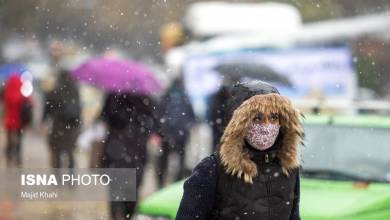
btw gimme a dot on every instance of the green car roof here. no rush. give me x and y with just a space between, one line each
320 199
343 200
376 121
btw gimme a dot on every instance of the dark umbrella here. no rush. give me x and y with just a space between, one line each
233 72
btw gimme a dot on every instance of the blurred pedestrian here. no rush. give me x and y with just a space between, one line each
176 118
130 120
216 114
62 106
255 172
172 34
14 103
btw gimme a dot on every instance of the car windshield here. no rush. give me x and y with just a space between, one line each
346 153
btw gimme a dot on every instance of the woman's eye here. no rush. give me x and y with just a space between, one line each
274 117
258 119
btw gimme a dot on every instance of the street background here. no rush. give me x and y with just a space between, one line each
44 36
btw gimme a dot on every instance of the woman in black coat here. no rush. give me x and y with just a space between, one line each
255 172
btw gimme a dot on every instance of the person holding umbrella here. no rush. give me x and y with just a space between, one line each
130 120
255 172
129 114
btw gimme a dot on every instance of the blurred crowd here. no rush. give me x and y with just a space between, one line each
136 109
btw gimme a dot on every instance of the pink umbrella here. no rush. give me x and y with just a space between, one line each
117 75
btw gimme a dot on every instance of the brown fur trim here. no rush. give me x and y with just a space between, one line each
236 159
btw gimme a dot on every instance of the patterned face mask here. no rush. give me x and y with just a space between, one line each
262 136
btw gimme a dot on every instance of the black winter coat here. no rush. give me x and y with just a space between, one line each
201 190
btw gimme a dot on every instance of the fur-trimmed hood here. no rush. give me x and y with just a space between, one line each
236 159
